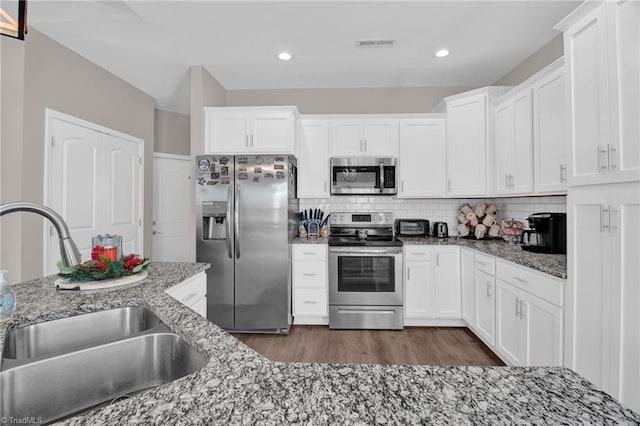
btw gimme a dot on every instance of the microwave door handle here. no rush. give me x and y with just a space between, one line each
381 176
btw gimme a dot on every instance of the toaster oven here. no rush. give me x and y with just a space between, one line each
412 227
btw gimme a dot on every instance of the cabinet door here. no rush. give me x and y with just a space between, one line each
509 327
313 159
421 158
446 279
543 332
485 307
624 58
272 132
467 268
226 132
588 256
346 138
503 134
585 47
549 143
418 300
466 146
522 160
625 226
380 138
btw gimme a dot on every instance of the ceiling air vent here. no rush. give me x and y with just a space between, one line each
376 43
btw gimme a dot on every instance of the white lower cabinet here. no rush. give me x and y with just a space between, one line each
310 285
467 274
485 326
432 285
192 293
603 321
528 329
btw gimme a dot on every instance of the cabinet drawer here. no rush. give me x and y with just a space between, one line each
310 301
310 252
542 285
310 274
417 253
190 290
485 264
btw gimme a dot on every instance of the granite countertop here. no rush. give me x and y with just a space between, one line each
552 264
239 386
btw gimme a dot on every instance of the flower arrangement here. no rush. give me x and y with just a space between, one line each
103 266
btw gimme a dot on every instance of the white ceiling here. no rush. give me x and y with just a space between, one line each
151 44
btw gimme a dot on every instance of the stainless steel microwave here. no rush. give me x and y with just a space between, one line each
363 175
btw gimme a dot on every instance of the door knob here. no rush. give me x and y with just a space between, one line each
156 232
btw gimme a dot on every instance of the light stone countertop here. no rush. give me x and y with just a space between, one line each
552 264
239 386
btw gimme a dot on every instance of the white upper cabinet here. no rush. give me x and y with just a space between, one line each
256 130
470 142
602 47
549 141
513 144
422 158
313 158
364 137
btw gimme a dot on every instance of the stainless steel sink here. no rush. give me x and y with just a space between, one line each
56 337
60 368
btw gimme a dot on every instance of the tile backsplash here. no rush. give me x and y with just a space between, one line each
441 210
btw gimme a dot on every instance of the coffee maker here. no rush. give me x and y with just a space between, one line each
547 233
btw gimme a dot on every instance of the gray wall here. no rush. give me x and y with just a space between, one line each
58 78
347 101
172 132
11 106
534 63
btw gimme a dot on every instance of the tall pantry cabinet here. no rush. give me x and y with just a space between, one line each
602 334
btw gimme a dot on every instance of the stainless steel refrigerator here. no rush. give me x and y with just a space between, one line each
246 220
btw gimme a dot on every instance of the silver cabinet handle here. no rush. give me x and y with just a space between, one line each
605 219
563 173
309 275
488 290
156 232
237 221
506 180
522 280
408 274
189 297
602 165
612 222
481 263
611 156
437 259
246 140
324 187
228 241
308 253
310 302
365 145
522 306
361 146
402 185
517 308
449 184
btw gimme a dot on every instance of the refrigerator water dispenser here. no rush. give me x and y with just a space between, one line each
214 217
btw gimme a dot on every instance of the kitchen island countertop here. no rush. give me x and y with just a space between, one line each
239 386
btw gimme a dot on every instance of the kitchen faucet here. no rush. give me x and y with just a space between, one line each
68 249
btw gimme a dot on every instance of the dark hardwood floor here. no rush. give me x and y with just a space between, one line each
413 345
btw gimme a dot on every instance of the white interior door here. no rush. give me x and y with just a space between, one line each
94 181
171 208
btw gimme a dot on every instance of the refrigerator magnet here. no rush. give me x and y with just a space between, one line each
224 170
201 181
212 182
258 160
279 159
278 166
224 160
215 175
224 181
242 160
256 178
204 164
257 169
279 174
268 175
243 176
242 169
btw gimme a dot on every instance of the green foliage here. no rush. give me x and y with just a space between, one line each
93 270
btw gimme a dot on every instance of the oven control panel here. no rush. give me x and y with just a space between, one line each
355 219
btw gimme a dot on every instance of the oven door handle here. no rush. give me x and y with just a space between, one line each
355 250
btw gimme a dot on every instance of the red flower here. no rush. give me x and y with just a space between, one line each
132 261
96 251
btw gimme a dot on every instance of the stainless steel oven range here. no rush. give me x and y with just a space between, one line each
365 272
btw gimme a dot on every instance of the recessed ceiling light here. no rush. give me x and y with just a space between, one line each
284 56
442 53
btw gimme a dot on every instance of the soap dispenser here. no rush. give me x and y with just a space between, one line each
7 298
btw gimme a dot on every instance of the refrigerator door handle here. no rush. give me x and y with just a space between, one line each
236 224
229 193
